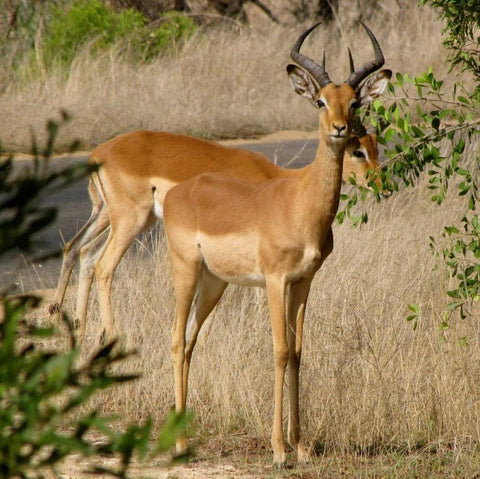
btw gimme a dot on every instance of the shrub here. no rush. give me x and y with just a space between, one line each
174 27
92 22
86 21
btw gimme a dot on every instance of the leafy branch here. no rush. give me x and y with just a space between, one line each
414 145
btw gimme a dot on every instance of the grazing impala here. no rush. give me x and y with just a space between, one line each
275 234
127 192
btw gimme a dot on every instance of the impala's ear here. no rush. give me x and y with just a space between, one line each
302 83
374 86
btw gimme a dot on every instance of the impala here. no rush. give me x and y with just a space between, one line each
275 234
127 192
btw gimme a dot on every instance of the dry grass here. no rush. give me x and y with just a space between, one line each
370 382
225 82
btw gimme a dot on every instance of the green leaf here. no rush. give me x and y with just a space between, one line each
451 230
414 308
399 78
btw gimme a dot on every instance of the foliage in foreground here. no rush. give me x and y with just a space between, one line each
427 130
22 214
42 388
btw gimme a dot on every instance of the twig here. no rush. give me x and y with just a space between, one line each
427 100
266 10
213 16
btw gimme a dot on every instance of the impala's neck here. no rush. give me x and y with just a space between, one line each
320 188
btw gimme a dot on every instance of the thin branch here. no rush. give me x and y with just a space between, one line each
435 135
211 16
266 10
427 100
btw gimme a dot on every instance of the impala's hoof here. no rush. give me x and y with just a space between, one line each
279 462
303 455
304 461
279 466
181 447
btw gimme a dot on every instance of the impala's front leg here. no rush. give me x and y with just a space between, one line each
297 301
276 301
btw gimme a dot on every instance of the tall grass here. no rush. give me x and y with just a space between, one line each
369 380
224 82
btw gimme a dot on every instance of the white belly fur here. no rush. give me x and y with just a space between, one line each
157 209
232 258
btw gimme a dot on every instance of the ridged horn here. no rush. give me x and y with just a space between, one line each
357 76
350 59
318 72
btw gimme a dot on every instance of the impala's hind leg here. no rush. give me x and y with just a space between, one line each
95 224
125 225
89 255
208 292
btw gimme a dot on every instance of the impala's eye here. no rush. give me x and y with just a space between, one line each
320 103
360 155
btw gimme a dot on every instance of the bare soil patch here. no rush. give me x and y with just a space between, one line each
219 457
246 457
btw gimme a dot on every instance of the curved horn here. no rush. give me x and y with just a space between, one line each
350 58
318 72
357 76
